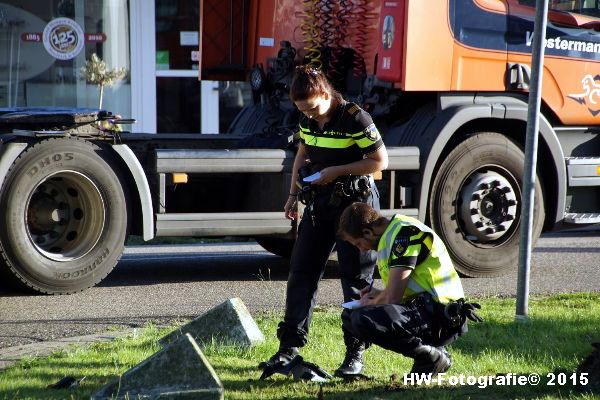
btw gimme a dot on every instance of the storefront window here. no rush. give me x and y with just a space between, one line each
184 105
177 38
44 45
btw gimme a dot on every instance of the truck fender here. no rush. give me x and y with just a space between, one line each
551 140
8 154
448 122
143 188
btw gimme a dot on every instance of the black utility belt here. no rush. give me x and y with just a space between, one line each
426 300
343 190
348 186
447 315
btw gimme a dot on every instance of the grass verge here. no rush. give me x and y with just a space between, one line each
553 342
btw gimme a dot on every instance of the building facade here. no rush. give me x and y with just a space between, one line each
44 46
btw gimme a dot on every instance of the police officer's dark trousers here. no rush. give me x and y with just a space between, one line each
401 327
312 249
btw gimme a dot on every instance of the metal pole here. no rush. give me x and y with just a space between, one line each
17 72
10 61
531 145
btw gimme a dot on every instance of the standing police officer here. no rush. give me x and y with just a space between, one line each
421 308
340 141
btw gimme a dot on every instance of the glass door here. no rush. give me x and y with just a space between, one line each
178 90
167 96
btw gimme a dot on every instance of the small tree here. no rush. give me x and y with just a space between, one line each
95 72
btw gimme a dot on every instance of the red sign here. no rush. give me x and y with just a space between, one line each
31 36
89 37
95 37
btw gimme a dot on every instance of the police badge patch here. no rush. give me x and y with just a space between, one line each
371 132
400 245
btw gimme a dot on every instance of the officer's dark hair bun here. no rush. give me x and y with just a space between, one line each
309 82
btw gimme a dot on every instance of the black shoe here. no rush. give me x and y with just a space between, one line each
352 364
443 350
282 357
430 360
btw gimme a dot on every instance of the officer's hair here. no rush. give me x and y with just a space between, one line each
356 217
309 82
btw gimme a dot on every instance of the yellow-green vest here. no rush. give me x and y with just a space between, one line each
433 273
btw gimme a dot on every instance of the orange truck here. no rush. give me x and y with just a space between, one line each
446 82
450 78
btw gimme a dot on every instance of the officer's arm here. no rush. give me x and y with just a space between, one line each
373 162
397 281
394 291
299 161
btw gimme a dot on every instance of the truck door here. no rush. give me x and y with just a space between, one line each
223 44
479 30
571 85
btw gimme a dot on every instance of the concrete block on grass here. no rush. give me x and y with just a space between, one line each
178 371
229 323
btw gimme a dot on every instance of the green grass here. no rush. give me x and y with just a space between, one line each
555 339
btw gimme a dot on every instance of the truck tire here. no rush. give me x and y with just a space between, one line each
63 218
475 205
278 246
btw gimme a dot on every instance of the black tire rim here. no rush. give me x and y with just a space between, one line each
488 207
65 216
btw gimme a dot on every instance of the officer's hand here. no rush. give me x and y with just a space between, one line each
365 290
291 208
366 300
468 311
328 175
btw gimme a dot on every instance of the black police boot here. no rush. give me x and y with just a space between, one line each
430 360
443 350
353 362
283 356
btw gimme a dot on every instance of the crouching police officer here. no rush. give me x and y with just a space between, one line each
340 141
422 307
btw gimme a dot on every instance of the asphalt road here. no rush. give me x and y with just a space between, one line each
163 284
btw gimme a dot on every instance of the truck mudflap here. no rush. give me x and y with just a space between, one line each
8 154
143 188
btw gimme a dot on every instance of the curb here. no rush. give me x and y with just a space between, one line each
11 355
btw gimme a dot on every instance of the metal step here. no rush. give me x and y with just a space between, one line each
411 212
257 160
582 218
222 224
236 223
583 171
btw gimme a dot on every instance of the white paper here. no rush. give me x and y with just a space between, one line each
312 177
266 42
352 304
188 38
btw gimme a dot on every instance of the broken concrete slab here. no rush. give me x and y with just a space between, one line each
229 323
11 355
178 371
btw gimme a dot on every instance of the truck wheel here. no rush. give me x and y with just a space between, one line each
278 246
63 218
475 205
